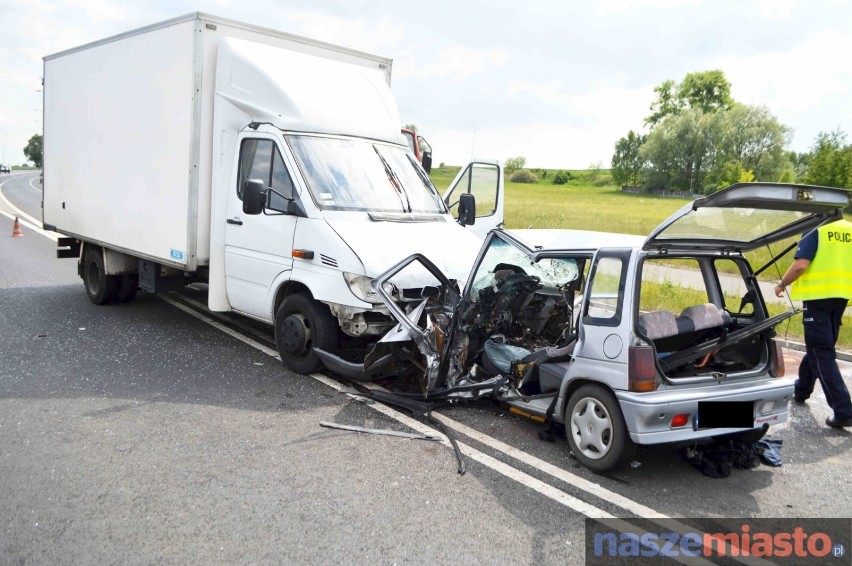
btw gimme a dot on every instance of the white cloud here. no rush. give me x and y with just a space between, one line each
586 133
453 63
776 9
616 6
364 35
795 78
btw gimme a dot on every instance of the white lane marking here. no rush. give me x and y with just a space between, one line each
551 470
46 233
517 475
33 186
219 326
24 218
506 470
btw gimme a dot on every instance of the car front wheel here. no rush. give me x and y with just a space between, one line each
595 428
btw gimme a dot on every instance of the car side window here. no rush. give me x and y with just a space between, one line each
260 159
734 289
606 292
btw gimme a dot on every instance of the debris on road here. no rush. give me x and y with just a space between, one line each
384 432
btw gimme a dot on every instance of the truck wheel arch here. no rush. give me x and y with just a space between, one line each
288 288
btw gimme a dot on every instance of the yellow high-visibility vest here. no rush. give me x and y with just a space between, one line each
829 275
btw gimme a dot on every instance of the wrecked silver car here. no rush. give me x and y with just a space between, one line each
622 339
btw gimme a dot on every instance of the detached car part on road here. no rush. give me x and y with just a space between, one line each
623 339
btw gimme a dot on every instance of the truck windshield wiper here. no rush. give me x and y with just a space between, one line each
394 181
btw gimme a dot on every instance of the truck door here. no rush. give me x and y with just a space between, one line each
258 248
484 180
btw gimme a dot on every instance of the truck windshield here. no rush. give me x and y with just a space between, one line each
361 175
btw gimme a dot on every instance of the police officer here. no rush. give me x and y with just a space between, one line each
821 275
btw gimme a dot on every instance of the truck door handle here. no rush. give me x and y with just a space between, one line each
236 221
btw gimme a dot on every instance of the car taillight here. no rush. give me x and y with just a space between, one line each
777 353
641 369
680 420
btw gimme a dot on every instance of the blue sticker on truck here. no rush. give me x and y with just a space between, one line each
177 254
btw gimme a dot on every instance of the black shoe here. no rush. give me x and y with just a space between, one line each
800 400
834 422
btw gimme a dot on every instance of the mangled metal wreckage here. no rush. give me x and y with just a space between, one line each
567 325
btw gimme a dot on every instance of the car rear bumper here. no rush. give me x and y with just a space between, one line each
649 415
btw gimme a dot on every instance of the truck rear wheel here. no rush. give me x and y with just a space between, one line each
100 287
596 430
127 288
302 324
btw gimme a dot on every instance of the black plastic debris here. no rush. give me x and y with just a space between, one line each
717 459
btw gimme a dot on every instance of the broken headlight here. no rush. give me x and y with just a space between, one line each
362 287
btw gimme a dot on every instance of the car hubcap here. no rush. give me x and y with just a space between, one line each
591 427
295 334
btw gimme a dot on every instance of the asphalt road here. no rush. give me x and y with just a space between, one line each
158 432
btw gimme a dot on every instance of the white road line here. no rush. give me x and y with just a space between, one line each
553 471
523 478
24 218
33 186
517 475
219 326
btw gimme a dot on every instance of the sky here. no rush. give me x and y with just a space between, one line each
557 82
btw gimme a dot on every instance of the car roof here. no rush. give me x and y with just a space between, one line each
556 239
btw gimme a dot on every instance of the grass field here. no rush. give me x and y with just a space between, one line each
584 205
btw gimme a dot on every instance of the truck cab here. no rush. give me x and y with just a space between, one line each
421 149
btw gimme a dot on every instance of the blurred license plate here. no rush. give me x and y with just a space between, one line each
725 414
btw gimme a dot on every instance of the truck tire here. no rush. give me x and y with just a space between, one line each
302 324
127 288
595 429
100 287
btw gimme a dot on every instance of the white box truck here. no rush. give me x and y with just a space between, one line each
268 165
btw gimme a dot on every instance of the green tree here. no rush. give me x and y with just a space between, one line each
514 163
830 161
680 152
754 138
34 148
412 127
708 91
666 104
627 163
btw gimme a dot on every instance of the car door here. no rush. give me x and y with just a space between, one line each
258 247
484 180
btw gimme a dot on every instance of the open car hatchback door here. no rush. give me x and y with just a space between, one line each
746 216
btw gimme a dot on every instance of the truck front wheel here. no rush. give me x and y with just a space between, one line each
302 324
100 287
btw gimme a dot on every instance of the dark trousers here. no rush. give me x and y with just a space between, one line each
821 320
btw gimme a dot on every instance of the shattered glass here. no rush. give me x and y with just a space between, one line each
554 272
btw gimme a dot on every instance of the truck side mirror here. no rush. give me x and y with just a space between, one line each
467 209
427 161
254 196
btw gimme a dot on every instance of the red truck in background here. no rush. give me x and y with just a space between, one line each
420 148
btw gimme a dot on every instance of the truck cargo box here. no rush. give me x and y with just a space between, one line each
128 140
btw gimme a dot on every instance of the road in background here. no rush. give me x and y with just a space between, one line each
145 433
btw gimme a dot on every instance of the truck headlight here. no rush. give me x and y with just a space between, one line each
361 287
